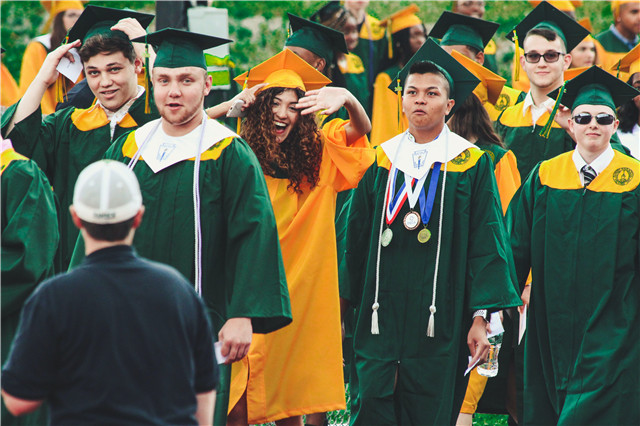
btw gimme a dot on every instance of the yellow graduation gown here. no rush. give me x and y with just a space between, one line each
298 369
10 91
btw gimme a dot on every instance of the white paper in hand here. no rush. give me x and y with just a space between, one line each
523 324
471 368
495 324
69 69
217 347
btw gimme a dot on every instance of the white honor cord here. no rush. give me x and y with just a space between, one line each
374 315
196 213
138 153
432 308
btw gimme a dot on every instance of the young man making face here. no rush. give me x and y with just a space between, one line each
420 266
65 142
577 228
212 214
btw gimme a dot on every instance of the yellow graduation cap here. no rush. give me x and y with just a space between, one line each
615 6
586 22
563 5
572 73
55 7
405 18
630 63
286 69
489 81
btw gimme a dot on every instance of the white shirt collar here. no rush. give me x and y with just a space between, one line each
536 111
116 116
599 164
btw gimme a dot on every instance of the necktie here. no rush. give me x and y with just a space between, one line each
588 173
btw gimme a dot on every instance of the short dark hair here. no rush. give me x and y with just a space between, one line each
110 232
101 43
548 34
426 67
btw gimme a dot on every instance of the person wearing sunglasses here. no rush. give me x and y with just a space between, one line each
577 228
546 35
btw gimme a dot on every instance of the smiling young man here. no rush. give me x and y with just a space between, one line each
65 142
546 34
427 254
577 228
210 210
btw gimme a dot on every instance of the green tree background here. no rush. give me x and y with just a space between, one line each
259 27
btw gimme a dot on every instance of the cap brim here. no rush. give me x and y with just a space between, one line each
93 15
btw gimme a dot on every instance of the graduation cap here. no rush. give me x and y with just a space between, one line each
327 11
178 48
630 63
461 81
545 16
405 18
286 69
458 29
492 83
402 19
98 20
615 6
55 7
318 39
563 5
594 86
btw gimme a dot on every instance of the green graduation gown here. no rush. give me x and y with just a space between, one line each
29 244
63 144
475 271
582 357
611 43
242 270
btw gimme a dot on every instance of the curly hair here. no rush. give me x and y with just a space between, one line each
298 156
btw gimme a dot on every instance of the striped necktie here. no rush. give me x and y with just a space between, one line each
588 173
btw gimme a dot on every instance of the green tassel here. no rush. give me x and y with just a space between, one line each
618 69
147 80
546 131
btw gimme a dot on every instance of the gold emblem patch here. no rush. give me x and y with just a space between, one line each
503 102
462 158
622 176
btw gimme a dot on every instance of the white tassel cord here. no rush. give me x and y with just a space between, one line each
431 327
196 213
374 316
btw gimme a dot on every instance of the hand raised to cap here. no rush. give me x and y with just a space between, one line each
48 73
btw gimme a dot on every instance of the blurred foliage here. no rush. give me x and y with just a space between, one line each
259 28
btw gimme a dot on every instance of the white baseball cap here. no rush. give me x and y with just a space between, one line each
106 192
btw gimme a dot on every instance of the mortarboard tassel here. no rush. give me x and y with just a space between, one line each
546 131
618 69
399 94
61 84
244 86
147 108
390 41
516 58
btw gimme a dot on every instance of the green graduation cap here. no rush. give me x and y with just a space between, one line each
317 38
462 81
455 28
595 87
178 48
98 20
548 17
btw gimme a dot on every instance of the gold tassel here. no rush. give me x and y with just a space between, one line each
147 107
244 86
61 84
546 131
399 95
516 59
390 41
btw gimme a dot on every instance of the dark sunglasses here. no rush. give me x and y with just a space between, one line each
585 118
534 58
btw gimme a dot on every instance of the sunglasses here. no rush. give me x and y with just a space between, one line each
534 58
585 118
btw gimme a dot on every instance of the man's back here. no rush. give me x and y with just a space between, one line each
118 340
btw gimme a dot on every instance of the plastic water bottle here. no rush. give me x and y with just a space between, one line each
490 368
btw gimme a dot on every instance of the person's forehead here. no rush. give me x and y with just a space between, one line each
541 44
592 109
177 71
426 80
107 58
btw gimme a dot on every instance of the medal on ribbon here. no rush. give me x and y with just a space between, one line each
426 203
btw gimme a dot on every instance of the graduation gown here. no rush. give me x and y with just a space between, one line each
9 91
298 370
372 48
384 117
475 272
63 144
505 170
355 76
522 136
582 358
29 244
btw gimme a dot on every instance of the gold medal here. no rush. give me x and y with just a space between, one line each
424 235
387 235
411 220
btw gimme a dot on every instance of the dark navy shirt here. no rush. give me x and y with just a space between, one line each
118 340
